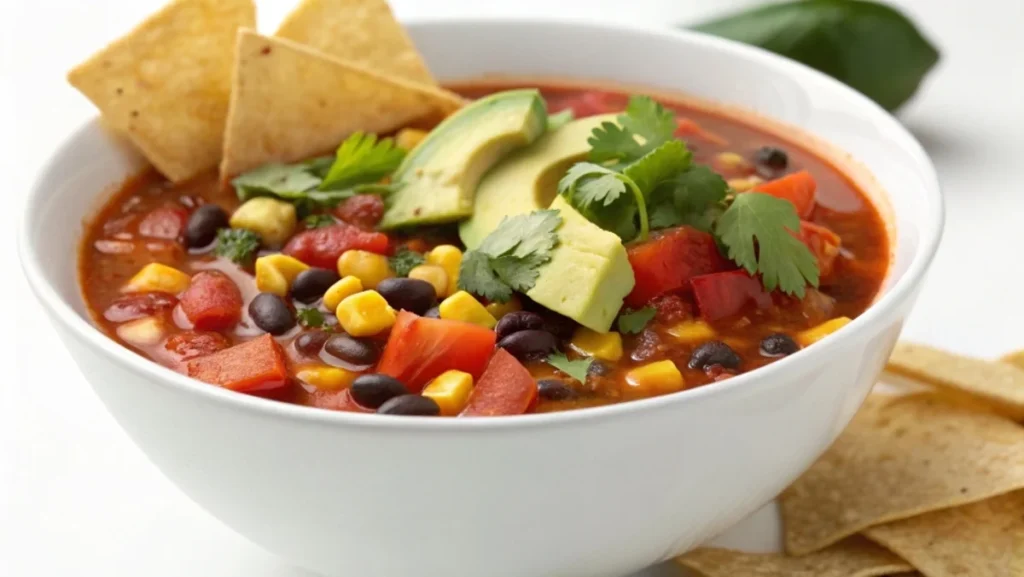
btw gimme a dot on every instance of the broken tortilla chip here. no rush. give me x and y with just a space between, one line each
166 85
853 557
290 102
1015 358
363 32
998 384
984 539
914 455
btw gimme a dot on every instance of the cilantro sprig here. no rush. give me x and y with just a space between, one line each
362 159
238 245
404 260
576 369
634 322
310 317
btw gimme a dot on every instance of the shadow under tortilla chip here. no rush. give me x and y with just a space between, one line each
363 32
984 539
853 557
166 85
914 455
290 102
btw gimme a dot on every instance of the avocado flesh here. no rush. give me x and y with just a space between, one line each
439 177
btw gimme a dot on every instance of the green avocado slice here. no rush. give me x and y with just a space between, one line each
439 177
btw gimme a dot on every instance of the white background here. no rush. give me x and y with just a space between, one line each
77 498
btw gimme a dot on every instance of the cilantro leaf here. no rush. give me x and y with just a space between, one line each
634 322
362 159
667 161
560 119
778 255
404 260
310 317
643 127
478 277
587 183
523 234
286 181
318 221
510 257
518 273
238 245
692 198
576 369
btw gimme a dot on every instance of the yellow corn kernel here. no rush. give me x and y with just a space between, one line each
449 258
275 273
813 335
365 314
326 378
370 268
659 377
731 162
461 306
408 138
147 331
158 277
341 290
450 390
744 184
604 346
432 274
499 310
692 331
274 220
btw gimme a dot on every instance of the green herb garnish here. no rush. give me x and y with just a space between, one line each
318 221
576 369
634 322
362 159
644 126
238 245
310 318
405 260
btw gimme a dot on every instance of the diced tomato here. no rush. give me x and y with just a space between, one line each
191 344
665 263
798 188
212 302
686 127
337 401
724 294
137 305
166 223
420 349
321 247
362 210
256 365
824 245
506 388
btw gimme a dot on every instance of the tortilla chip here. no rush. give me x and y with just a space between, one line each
1015 358
166 85
854 557
1000 385
363 32
983 539
914 455
290 102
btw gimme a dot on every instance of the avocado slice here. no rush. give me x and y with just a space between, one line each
439 176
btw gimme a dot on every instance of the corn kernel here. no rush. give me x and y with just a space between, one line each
370 268
732 162
275 273
274 220
499 310
147 331
432 274
326 378
365 314
449 258
341 290
450 390
692 331
821 331
659 377
744 184
158 277
604 346
461 306
408 138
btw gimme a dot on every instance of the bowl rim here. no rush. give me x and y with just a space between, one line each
932 225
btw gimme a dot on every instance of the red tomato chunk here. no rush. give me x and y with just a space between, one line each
212 302
665 263
420 349
321 247
166 223
721 295
798 188
137 305
506 388
256 365
363 210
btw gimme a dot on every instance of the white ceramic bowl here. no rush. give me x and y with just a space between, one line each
593 493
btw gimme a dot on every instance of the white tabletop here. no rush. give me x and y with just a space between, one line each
77 498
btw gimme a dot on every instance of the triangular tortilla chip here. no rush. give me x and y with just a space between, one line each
363 32
166 85
290 102
854 557
914 455
983 539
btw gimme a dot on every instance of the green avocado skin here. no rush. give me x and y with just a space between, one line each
439 177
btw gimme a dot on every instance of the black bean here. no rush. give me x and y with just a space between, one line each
311 284
373 390
203 224
598 369
352 350
271 313
433 313
778 345
773 158
531 344
559 325
714 353
411 294
309 343
517 321
411 405
555 390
